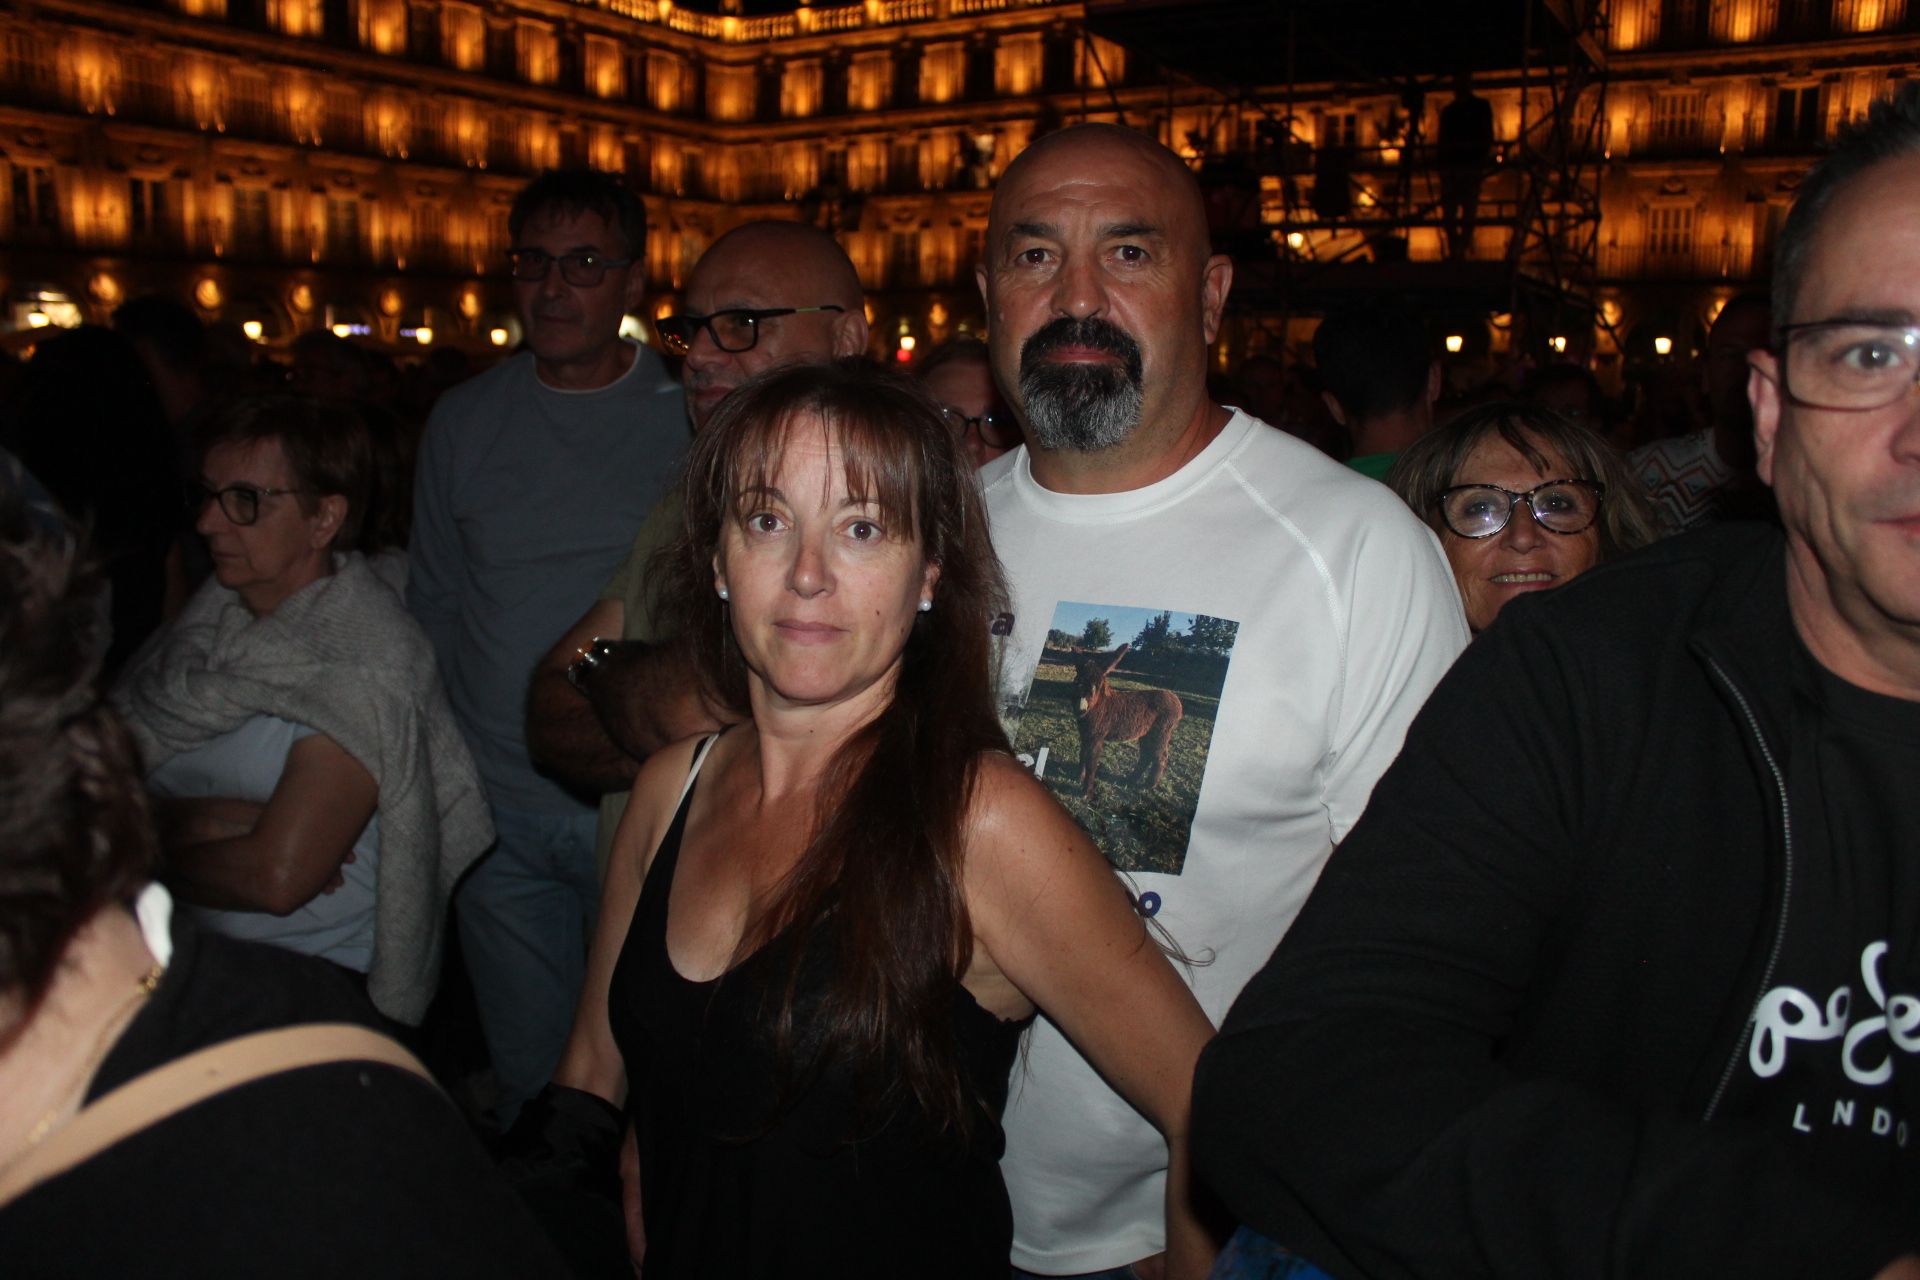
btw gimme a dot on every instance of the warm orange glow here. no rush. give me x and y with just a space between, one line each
943 68
1017 64
1099 63
869 81
539 53
463 36
542 143
606 75
663 80
390 125
90 78
730 92
800 89
383 25
1868 15
1634 23
1741 21
296 17
207 293
201 92
603 152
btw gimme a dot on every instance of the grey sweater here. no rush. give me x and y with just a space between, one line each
343 657
525 499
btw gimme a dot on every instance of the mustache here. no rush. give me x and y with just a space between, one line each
1090 332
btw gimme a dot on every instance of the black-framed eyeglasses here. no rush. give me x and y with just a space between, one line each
581 270
996 430
239 502
735 330
1849 365
1558 506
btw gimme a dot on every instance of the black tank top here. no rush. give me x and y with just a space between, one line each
746 1173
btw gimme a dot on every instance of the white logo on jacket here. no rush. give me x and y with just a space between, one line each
1786 1014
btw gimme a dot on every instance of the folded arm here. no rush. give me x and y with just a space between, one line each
293 847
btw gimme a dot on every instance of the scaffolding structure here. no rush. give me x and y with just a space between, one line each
1314 221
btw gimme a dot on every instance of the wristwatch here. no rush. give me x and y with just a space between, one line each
596 652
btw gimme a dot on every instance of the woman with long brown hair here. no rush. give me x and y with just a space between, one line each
824 929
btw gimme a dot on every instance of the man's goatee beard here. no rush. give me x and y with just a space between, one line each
1080 406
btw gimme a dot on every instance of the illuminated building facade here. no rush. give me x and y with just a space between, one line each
289 164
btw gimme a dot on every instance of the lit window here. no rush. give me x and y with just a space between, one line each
1670 230
1017 64
870 81
943 69
800 89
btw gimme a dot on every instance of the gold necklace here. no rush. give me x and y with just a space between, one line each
102 1045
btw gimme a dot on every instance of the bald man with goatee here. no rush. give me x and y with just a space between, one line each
1253 627
604 698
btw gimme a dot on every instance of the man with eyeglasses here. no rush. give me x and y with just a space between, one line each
765 293
532 479
1620 974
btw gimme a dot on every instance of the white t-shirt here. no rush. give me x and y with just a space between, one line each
1298 615
246 764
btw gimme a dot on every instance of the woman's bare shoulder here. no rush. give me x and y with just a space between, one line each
656 794
1014 817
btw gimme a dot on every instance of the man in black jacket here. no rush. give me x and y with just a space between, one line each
1618 974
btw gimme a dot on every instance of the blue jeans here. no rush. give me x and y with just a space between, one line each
1251 1256
526 915
1248 1256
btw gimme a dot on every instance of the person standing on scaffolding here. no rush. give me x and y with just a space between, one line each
1465 149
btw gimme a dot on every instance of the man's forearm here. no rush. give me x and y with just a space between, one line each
647 695
567 740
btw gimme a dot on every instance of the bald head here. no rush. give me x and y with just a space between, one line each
788 256
1102 298
1081 150
771 266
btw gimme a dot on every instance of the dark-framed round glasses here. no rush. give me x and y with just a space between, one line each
1849 365
997 430
734 330
1558 506
581 270
239 502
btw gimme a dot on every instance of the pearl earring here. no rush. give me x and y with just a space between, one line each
926 606
723 594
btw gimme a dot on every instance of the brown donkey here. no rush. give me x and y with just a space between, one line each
1146 715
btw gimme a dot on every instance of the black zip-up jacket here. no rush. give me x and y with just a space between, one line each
1505 1036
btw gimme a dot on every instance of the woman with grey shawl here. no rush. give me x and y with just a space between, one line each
314 790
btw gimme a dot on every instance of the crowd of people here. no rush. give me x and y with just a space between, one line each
1042 816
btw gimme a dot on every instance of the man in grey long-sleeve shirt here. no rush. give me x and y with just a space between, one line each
531 481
